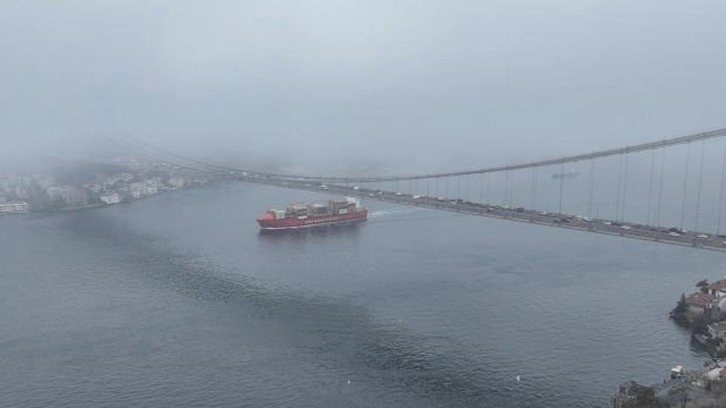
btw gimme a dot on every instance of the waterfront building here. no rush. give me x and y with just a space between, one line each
110 198
14 208
698 303
177 182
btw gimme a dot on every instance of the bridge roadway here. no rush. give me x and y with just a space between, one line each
599 226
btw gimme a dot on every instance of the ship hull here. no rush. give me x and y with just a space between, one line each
312 222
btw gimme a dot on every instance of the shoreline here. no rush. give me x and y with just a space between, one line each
103 205
699 314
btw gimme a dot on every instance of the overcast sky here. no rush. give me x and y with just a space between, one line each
431 84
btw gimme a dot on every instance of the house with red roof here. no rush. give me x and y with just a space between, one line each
699 303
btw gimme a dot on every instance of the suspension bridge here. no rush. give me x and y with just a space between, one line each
669 190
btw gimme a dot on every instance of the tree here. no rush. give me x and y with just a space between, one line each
680 313
38 198
40 201
703 285
681 305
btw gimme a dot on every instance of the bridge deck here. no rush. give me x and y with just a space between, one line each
598 226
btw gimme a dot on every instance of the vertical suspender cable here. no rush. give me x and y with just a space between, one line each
506 186
591 188
533 192
481 189
650 185
625 187
458 187
660 188
700 184
489 186
466 188
685 187
510 192
562 186
720 194
620 183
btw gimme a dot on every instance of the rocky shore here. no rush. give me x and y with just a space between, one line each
701 313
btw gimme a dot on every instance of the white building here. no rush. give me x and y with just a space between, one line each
110 198
14 208
152 187
177 182
148 188
144 189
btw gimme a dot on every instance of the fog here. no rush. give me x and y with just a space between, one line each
403 86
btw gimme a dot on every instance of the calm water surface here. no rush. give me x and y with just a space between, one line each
178 300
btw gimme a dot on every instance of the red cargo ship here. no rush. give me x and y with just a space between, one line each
313 215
